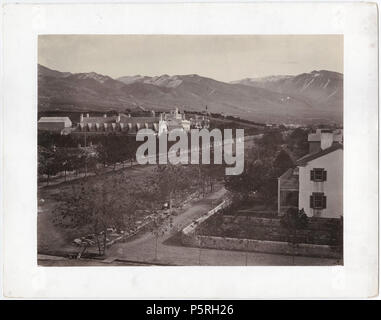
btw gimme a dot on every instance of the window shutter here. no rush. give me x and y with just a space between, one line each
324 202
312 175
324 175
312 202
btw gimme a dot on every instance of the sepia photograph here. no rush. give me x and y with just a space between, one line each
190 150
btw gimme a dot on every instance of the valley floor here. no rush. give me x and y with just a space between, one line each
142 250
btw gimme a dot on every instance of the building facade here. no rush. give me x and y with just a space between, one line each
54 124
315 184
126 124
321 183
288 190
326 135
120 123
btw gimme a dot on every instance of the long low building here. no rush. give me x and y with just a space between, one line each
127 124
315 184
54 124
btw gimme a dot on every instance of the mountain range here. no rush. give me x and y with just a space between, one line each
314 97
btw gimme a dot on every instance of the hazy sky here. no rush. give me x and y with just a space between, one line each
223 58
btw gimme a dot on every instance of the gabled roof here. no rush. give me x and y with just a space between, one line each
315 137
123 119
141 120
54 119
99 120
312 156
289 180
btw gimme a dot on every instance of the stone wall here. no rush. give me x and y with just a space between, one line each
192 227
320 231
191 238
267 222
275 247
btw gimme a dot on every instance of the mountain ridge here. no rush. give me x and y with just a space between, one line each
278 100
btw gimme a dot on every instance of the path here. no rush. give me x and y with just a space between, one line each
172 253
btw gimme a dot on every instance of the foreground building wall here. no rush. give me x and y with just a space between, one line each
331 188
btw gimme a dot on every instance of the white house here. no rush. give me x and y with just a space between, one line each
317 180
321 182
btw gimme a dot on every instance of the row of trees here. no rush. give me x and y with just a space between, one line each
56 154
265 162
52 161
99 206
269 158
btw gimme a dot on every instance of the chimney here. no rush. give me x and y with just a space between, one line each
326 139
81 118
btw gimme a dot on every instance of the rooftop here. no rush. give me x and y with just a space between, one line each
311 156
53 119
123 119
316 137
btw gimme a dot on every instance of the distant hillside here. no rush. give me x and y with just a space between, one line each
259 102
322 89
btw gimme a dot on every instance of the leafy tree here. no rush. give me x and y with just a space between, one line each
297 141
201 229
271 140
292 221
254 179
64 160
282 162
116 148
102 154
209 175
49 139
169 180
47 162
161 224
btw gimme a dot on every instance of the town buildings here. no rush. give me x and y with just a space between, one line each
120 123
200 122
176 121
315 184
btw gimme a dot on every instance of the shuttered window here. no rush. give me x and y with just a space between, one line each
318 200
318 174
